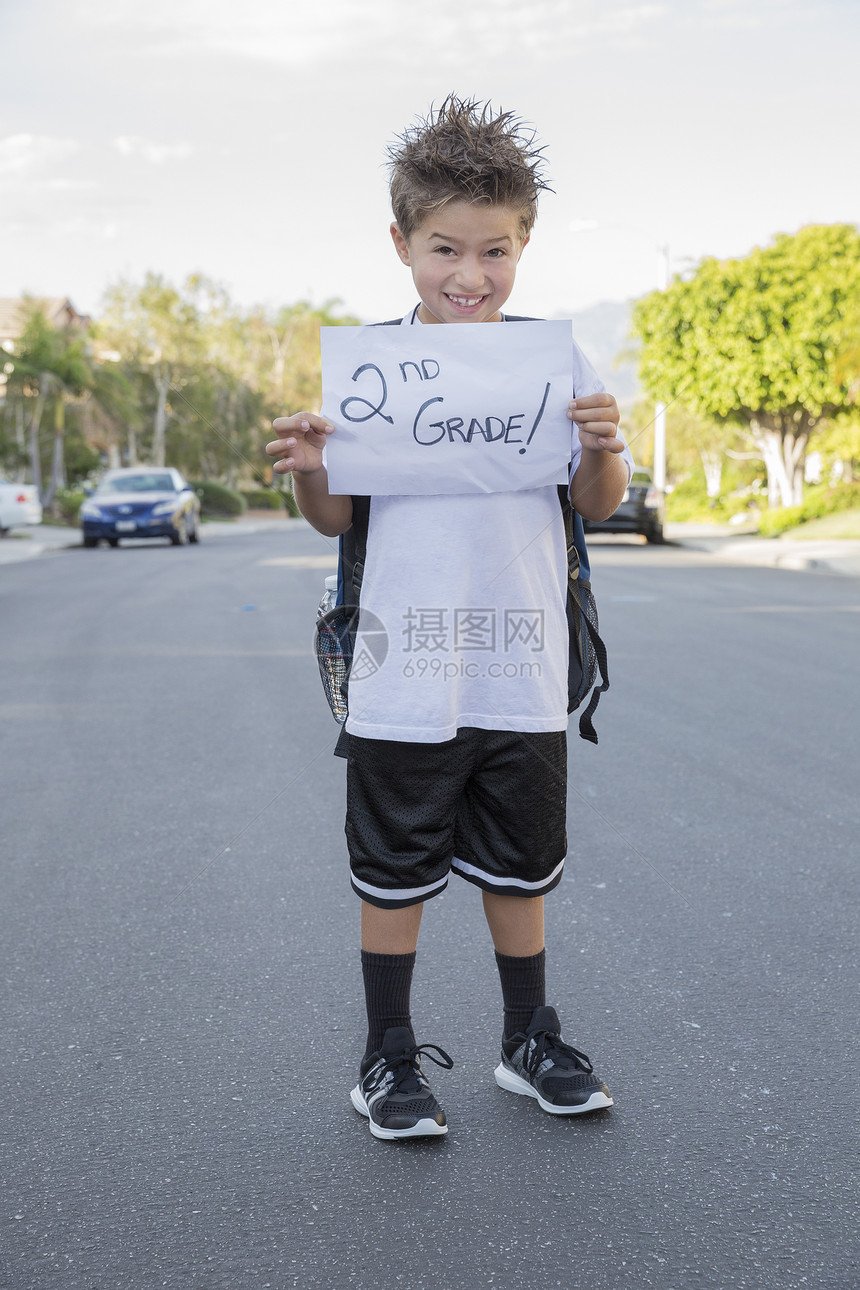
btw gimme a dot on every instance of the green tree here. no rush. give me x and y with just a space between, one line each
110 413
49 366
282 353
839 445
208 376
754 342
157 330
694 444
263 363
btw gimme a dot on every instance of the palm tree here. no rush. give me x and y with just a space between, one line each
49 364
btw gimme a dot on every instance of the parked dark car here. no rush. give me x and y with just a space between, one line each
641 511
141 502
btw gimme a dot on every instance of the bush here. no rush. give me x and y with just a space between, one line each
818 502
82 460
218 499
290 503
271 499
264 499
689 501
67 503
772 523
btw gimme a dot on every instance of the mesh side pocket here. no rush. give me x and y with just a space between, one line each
589 655
333 649
584 663
588 661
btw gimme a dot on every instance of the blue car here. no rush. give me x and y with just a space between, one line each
141 502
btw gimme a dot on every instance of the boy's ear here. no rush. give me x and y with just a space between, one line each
526 241
400 244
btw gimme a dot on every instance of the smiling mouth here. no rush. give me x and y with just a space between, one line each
465 302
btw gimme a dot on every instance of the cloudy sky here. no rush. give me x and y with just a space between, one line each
246 140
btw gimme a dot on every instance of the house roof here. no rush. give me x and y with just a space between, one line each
58 310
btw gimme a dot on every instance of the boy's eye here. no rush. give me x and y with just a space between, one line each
445 250
496 252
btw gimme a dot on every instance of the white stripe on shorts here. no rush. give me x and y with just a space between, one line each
399 893
464 868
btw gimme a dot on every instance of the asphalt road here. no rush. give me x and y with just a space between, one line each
182 1003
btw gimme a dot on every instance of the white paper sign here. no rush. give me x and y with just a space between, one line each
447 409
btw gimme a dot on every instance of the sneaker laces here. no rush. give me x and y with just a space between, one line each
405 1069
548 1045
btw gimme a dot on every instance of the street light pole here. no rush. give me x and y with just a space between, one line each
660 406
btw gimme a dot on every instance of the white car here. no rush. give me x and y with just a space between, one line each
19 504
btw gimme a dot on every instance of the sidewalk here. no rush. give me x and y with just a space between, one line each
825 555
41 539
36 539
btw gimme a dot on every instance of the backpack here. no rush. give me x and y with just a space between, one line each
336 629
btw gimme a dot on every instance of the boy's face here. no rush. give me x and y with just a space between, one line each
463 261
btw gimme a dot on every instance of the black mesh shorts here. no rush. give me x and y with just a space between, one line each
489 804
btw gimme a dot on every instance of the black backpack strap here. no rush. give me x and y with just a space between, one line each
583 626
586 724
350 572
353 550
353 543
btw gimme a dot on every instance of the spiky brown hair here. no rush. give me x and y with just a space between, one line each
464 151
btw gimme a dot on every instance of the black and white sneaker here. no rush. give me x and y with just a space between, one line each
393 1091
540 1065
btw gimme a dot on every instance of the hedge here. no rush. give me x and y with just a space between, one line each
263 499
68 502
818 502
218 499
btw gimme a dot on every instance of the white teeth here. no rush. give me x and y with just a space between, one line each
466 301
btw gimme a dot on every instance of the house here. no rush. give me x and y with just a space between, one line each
59 311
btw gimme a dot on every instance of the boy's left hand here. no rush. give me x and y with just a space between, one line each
597 416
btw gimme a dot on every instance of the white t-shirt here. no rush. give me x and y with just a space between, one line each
463 618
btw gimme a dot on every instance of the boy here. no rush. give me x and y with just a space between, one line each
466 773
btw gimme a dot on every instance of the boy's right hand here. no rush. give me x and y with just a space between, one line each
300 443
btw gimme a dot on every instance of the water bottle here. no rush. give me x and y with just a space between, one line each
331 646
329 596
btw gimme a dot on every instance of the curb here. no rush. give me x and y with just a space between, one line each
837 556
29 543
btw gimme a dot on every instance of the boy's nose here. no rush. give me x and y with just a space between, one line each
470 275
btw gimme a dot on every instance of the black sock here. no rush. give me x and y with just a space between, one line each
523 988
387 987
